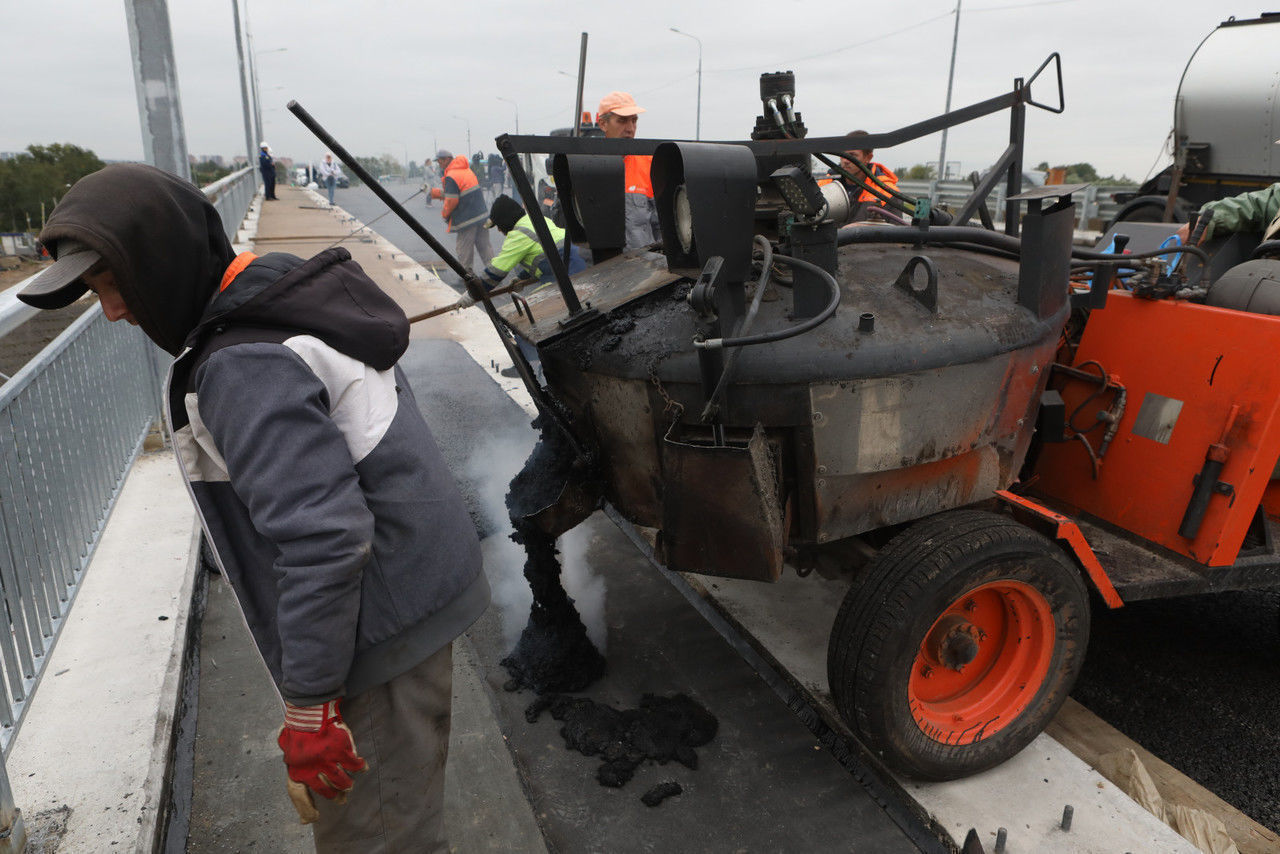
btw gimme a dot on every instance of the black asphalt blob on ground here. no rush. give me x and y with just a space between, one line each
661 730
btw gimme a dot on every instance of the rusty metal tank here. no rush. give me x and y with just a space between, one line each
912 387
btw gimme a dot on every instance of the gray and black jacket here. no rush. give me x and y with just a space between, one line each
318 484
333 514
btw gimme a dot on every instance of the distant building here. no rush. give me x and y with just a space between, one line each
9 155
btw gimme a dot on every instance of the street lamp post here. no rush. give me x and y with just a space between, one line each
698 128
517 107
468 124
955 40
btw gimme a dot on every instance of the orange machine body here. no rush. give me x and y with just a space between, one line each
1199 383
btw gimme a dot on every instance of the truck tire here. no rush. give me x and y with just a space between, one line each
959 644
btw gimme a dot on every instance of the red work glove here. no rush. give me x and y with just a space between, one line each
437 193
319 750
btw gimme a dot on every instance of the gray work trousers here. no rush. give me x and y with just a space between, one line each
401 728
473 239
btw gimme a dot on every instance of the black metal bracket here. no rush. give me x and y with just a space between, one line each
928 295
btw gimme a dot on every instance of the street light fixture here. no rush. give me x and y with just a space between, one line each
698 129
517 106
468 123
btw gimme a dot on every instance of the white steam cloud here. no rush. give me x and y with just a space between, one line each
491 467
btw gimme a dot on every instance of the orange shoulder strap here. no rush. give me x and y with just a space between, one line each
244 259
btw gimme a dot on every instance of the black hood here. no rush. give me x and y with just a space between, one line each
161 237
328 296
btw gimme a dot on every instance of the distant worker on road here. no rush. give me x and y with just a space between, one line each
329 171
482 174
267 166
882 175
464 207
497 170
429 175
617 116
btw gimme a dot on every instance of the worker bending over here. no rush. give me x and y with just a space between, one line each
520 246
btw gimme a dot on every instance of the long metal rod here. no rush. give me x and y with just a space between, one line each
1017 137
475 288
577 131
582 79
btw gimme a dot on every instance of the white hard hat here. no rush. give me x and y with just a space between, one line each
263 144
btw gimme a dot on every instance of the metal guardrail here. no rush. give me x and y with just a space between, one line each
1094 206
72 420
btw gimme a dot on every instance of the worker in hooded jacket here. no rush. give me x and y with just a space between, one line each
464 207
329 508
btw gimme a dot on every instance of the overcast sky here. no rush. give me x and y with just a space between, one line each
404 77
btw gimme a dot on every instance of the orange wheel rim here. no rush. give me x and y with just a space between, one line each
981 662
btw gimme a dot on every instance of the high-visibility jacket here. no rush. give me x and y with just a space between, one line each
641 212
521 248
1252 211
885 176
463 201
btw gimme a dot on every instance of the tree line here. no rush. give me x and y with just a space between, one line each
1076 173
37 178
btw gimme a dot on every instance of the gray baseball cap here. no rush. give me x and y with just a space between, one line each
60 284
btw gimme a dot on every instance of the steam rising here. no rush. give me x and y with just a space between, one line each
490 468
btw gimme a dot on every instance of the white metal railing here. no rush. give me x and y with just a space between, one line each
72 421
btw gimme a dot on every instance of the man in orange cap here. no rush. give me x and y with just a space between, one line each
617 117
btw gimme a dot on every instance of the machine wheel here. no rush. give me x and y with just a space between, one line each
959 644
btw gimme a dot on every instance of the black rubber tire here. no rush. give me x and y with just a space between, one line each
906 587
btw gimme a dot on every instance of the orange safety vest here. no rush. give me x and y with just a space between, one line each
886 177
468 207
235 268
637 174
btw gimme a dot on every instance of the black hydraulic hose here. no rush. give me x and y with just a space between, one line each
791 331
994 239
883 194
892 216
879 193
866 170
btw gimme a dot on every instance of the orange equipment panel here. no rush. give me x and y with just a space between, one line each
1201 383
